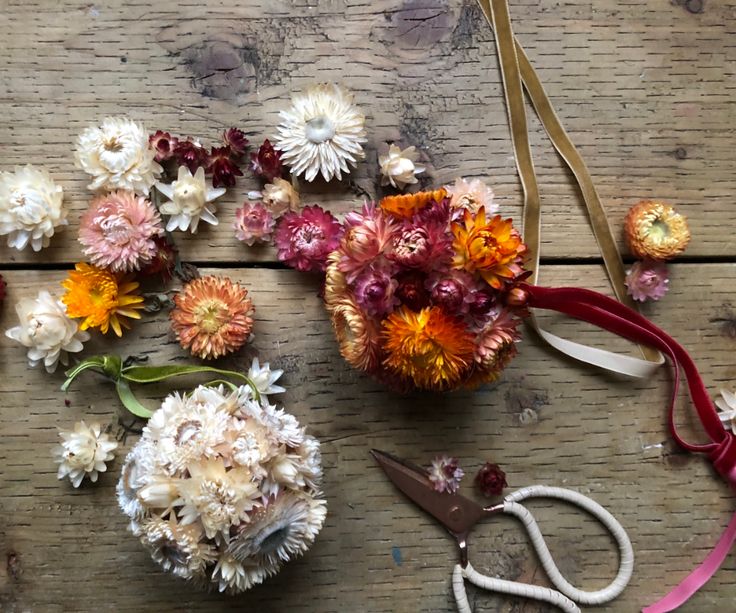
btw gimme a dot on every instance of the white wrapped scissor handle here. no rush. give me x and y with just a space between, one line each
566 596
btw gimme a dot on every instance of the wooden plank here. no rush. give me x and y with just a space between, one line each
67 550
646 90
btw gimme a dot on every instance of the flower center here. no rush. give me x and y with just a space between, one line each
319 129
275 539
187 431
113 144
172 552
116 229
211 315
659 230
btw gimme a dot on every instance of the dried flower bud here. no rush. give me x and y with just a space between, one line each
491 479
163 144
266 162
223 168
235 140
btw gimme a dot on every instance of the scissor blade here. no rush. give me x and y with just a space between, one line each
457 513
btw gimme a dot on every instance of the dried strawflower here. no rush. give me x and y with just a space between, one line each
495 337
213 317
412 290
471 195
305 239
163 261
264 379
118 231
647 280
399 168
405 205
191 154
280 196
254 223
446 474
322 132
118 155
31 207
375 289
655 231
46 330
101 298
266 162
368 234
491 480
222 167
163 144
727 405
223 488
235 140
189 200
358 336
84 452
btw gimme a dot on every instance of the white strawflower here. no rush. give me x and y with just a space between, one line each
223 488
322 132
265 379
117 155
727 406
399 168
31 207
84 451
189 200
47 331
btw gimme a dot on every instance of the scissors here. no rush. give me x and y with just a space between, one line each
460 514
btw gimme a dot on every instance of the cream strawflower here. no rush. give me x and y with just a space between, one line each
189 198
176 548
118 155
280 196
265 379
322 132
234 577
48 332
727 406
471 195
31 207
399 168
84 451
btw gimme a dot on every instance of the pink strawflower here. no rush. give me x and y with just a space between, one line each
266 162
375 289
367 235
305 239
235 140
424 242
498 335
445 474
118 231
254 223
647 280
164 144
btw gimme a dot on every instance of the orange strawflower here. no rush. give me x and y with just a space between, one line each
213 317
492 248
655 231
405 205
429 347
101 297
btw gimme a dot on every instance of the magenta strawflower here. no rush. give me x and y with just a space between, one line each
163 262
222 167
422 244
367 235
254 223
118 231
491 479
412 291
164 144
305 239
266 162
235 140
190 154
445 474
375 289
647 280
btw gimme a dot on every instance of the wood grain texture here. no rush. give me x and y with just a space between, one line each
645 88
549 420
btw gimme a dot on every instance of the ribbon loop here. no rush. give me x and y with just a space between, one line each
724 458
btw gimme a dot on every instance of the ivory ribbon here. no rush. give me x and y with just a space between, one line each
515 67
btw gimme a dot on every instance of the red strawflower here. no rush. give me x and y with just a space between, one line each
491 479
3 285
163 262
223 168
266 162
305 239
190 154
411 290
235 140
164 144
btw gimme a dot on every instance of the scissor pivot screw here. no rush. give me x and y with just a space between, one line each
455 513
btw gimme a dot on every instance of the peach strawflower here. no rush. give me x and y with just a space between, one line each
655 231
430 348
213 317
357 335
103 299
492 248
118 231
406 205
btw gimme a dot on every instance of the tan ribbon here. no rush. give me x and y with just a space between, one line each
515 68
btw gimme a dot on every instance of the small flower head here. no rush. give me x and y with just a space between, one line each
412 291
471 195
213 317
235 140
406 205
189 200
118 231
163 144
266 162
654 230
491 480
191 154
265 379
47 331
280 196
647 280
399 168
222 167
446 474
375 290
305 239
358 336
367 235
421 245
163 261
84 452
31 207
102 299
254 223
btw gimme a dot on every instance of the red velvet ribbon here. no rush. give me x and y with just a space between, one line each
615 317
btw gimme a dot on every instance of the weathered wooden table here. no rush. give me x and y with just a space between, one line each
645 88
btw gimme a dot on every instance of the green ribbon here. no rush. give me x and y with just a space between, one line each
111 366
